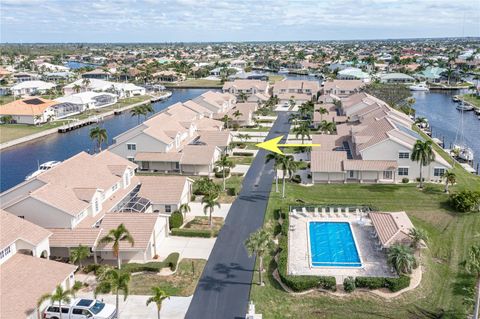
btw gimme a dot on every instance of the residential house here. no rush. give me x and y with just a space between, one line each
430 74
353 74
31 88
246 87
79 102
343 88
299 90
122 90
245 116
24 76
97 74
396 78
168 76
35 110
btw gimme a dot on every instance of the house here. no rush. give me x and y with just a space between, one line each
246 87
26 273
396 78
52 67
430 74
238 64
31 87
57 76
353 74
35 110
97 74
24 76
392 228
79 102
215 101
122 90
168 76
299 90
343 88
245 115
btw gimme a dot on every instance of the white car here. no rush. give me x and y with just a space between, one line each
82 309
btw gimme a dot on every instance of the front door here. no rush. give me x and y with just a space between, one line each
387 174
146 165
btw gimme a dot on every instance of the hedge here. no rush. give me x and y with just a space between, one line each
393 284
153 266
175 220
185 232
248 154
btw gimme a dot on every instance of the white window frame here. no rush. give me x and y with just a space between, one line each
169 210
403 167
131 146
438 168
401 153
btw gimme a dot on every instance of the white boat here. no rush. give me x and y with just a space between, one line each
455 98
419 87
464 107
283 71
42 168
465 153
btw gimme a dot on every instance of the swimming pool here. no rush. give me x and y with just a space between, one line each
332 245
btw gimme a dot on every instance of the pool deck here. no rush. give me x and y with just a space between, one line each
374 261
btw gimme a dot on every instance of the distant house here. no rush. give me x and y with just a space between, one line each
33 110
79 102
57 76
24 76
52 67
396 78
168 76
353 74
97 74
430 74
342 88
299 90
122 90
246 113
31 88
240 64
247 87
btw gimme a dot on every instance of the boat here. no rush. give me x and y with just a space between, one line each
419 87
283 71
463 152
477 111
460 148
156 98
42 168
464 107
455 98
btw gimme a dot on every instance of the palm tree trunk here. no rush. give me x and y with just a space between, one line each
276 180
223 169
158 314
421 179
117 306
446 187
283 184
260 270
476 310
119 261
60 309
210 218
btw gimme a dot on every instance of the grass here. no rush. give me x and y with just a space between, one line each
231 182
472 98
182 283
196 83
6 99
255 129
275 78
9 132
247 160
202 223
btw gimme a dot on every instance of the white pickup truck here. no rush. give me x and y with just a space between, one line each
82 309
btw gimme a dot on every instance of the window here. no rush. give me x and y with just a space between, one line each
96 205
351 174
131 158
403 171
438 172
5 252
114 187
77 311
131 147
403 155
168 209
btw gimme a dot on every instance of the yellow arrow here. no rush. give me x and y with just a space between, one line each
273 146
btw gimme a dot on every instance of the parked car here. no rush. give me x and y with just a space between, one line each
82 309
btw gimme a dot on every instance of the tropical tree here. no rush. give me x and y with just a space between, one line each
76 88
422 153
322 111
184 209
472 266
401 258
209 202
226 119
418 235
328 127
450 179
116 236
303 131
243 137
259 243
79 254
138 111
6 119
99 135
288 165
237 114
242 97
276 158
421 122
86 83
224 162
158 297
60 295
147 109
115 281
291 102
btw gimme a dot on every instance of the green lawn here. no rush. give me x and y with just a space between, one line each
6 99
450 235
10 132
255 129
275 78
196 83
182 283
242 159
472 98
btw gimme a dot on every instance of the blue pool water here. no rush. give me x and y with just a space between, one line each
332 245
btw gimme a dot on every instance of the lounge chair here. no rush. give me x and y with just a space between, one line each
347 210
315 212
324 210
304 212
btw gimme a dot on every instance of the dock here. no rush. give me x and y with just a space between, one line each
78 123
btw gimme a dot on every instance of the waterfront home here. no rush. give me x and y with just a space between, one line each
396 78
168 76
353 74
45 66
122 90
97 74
343 88
245 117
25 76
34 110
299 91
431 74
57 76
26 273
79 102
31 88
247 87
238 64
216 102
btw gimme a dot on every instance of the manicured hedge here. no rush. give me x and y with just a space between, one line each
185 232
396 284
154 266
349 284
175 220
393 284
242 154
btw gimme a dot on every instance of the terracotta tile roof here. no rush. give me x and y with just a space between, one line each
158 157
314 86
198 154
347 85
209 124
391 227
369 165
13 228
65 237
246 85
163 189
31 106
327 161
198 108
217 138
24 279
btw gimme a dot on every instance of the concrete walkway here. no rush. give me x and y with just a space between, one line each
187 247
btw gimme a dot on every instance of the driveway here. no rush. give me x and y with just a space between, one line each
224 287
197 210
187 247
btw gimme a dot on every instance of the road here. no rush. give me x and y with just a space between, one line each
224 287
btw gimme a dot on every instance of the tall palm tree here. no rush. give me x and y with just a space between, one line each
322 111
303 131
226 119
224 162
116 236
259 243
450 179
242 97
328 127
138 111
421 122
401 258
417 235
114 280
78 254
100 135
209 202
86 83
76 88
422 153
276 158
237 114
147 109
288 165
60 295
472 266
158 297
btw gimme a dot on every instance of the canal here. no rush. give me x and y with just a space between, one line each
19 161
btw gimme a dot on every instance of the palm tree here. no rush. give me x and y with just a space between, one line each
401 258
276 158
184 209
226 119
422 153
76 88
138 111
242 97
291 102
237 114
100 135
322 111
302 130
288 165
158 297
114 280
224 162
60 295
328 127
86 83
147 108
472 266
417 235
116 236
421 122
450 179
209 202
259 243
79 254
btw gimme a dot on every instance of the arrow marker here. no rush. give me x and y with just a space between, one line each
273 146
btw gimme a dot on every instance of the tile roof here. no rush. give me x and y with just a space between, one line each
327 161
198 154
217 138
13 228
31 106
391 227
65 237
163 189
369 165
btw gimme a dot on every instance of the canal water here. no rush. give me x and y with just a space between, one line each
77 65
19 161
445 119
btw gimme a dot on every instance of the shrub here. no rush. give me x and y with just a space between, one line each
232 191
396 284
193 197
185 232
370 282
297 179
277 229
219 172
349 284
171 261
154 266
276 214
242 154
465 201
175 219
91 267
405 180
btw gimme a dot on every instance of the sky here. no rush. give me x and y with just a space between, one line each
103 21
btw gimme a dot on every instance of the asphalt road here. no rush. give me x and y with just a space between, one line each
224 287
